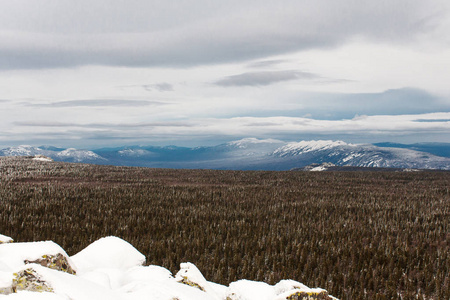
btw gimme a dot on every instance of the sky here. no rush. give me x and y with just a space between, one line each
91 74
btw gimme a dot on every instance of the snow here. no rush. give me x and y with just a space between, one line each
34 296
111 268
319 169
22 150
5 279
295 148
5 239
286 287
135 152
72 286
191 273
250 290
42 158
78 155
17 253
351 156
244 143
108 252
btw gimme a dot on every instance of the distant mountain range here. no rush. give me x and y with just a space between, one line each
255 154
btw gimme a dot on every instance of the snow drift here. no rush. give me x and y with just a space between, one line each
111 268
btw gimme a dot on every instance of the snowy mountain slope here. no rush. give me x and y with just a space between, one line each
343 154
439 149
24 150
66 155
246 154
74 155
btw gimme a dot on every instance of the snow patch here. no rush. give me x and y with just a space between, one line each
42 158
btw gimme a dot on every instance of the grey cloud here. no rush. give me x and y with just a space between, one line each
161 87
103 125
432 120
262 124
266 63
157 33
96 102
264 78
338 106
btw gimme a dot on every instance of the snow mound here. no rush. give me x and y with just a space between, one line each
16 255
108 252
35 296
250 290
288 289
189 274
5 239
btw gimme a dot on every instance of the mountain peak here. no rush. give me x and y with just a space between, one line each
245 142
308 146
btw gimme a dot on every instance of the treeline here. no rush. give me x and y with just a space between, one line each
360 235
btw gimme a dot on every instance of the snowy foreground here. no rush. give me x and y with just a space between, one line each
111 268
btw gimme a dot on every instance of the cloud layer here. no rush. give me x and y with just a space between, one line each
105 72
158 33
287 128
264 78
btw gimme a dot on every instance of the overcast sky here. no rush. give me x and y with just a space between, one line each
97 73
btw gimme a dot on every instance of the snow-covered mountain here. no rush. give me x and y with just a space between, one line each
74 155
66 155
343 154
24 150
247 154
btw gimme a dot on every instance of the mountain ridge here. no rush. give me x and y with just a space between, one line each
248 154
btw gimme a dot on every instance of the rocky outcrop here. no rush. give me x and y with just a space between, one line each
189 274
302 295
294 290
30 280
47 254
57 262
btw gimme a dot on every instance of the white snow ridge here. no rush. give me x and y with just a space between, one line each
111 268
308 146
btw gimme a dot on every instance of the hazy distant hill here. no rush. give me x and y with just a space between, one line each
254 154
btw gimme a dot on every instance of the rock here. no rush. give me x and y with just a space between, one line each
30 280
300 295
189 274
57 262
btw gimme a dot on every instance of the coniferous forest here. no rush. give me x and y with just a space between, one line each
360 235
